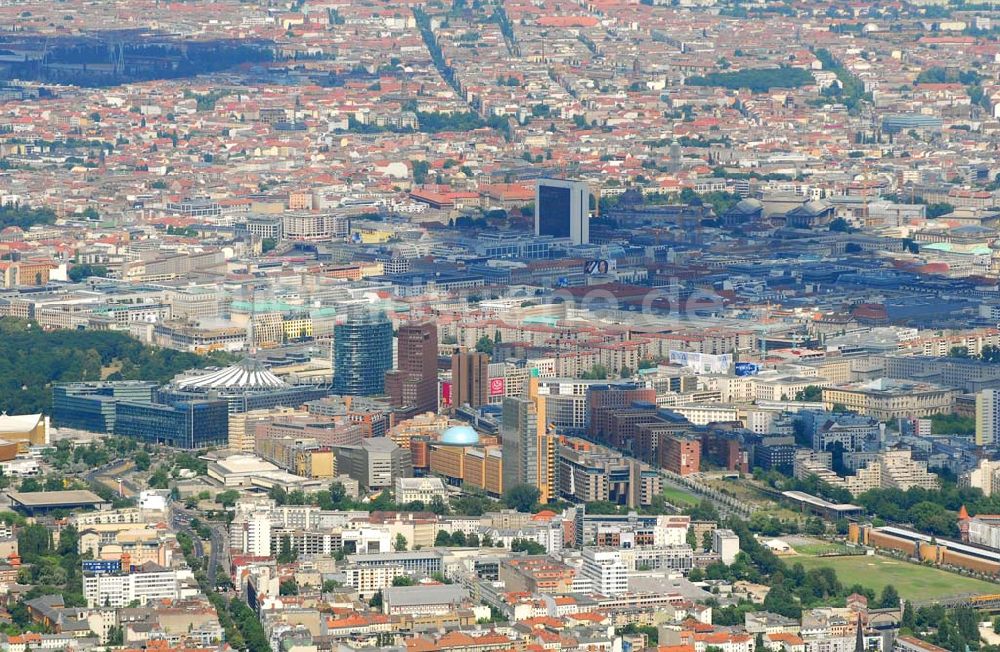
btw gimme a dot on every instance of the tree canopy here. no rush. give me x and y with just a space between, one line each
25 217
758 80
31 360
522 497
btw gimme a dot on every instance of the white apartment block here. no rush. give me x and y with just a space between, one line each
369 580
671 530
987 417
985 477
119 590
253 535
726 544
606 571
894 469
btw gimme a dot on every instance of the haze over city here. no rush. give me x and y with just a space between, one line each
499 326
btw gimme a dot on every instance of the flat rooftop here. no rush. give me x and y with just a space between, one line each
889 386
408 596
244 464
816 501
35 499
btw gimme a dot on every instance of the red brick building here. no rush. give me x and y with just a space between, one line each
412 386
680 455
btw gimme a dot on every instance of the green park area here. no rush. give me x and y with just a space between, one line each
679 497
912 581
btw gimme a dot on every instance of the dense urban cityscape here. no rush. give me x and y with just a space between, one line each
500 325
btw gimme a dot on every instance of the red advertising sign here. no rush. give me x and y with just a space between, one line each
446 394
497 386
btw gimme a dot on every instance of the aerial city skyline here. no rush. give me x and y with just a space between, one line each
500 326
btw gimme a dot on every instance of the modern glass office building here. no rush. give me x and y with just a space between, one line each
186 412
362 353
562 210
189 424
91 406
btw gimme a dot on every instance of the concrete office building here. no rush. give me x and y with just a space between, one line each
562 210
327 541
969 374
529 450
852 431
412 386
536 574
426 562
589 473
565 404
315 226
195 303
375 463
887 399
369 580
252 534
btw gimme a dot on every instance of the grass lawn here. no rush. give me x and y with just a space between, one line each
736 488
814 548
914 582
679 497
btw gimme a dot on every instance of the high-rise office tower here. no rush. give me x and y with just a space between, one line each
412 386
362 353
562 209
987 416
470 378
529 449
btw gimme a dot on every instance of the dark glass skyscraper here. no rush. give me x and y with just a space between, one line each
362 353
562 209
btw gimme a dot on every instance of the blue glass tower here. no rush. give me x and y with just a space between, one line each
362 353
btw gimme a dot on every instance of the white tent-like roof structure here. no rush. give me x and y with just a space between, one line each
245 374
19 423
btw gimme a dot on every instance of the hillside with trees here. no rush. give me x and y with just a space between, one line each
32 360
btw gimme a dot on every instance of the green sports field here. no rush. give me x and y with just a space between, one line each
914 582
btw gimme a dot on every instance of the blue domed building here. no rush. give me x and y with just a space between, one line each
459 436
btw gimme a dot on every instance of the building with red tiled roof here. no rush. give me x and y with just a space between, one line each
784 642
567 21
455 641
